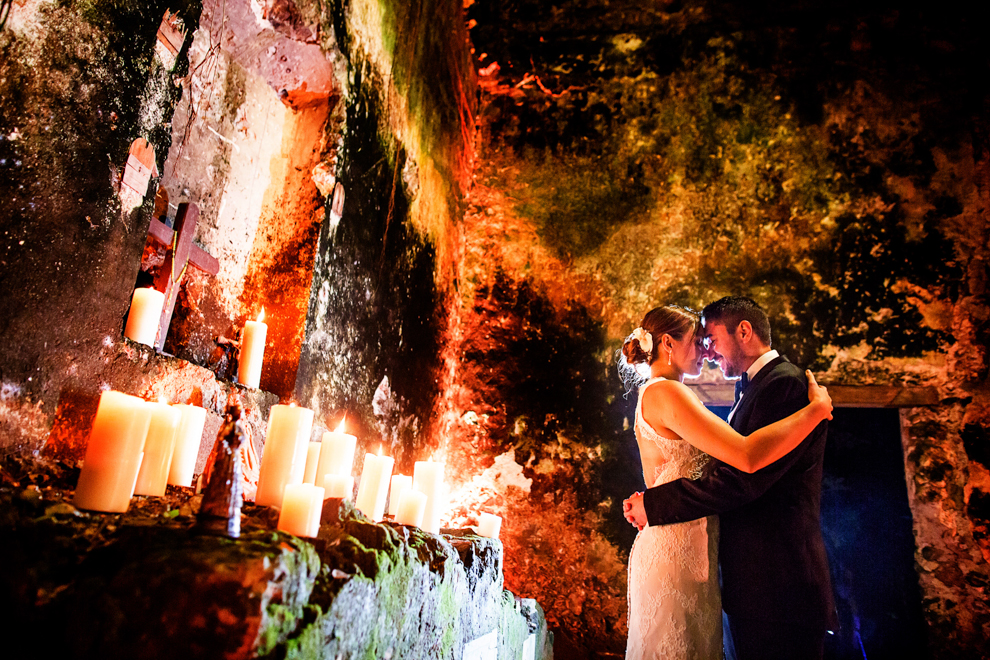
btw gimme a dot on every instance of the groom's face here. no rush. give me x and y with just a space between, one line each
724 349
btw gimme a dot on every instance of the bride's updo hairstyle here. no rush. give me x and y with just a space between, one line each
670 320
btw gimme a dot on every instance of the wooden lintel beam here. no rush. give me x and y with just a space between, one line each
843 396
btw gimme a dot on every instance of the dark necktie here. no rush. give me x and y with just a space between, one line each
741 385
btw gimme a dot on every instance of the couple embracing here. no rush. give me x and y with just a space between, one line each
742 496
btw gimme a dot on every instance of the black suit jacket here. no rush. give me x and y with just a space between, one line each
771 552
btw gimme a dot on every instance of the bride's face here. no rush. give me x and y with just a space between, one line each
688 354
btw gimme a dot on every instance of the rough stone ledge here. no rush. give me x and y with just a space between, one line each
142 585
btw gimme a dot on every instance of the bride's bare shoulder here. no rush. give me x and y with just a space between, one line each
665 388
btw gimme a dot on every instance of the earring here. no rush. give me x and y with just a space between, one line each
669 353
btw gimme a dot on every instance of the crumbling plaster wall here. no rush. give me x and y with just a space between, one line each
250 130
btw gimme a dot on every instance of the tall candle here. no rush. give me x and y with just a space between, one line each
373 488
113 454
428 479
410 506
252 352
489 525
336 453
312 460
144 316
188 437
302 505
158 449
283 459
339 485
400 483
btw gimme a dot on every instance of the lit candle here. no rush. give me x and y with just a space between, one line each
312 460
144 316
113 454
373 488
400 482
336 453
410 508
252 352
187 440
283 458
302 505
339 485
489 525
428 479
158 449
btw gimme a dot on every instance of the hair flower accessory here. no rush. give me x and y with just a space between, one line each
644 338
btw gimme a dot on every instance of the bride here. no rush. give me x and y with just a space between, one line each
675 609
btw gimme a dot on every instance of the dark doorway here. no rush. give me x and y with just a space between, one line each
868 534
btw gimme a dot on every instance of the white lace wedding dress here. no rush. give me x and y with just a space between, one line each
675 610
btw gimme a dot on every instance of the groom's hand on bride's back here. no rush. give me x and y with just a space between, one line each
634 512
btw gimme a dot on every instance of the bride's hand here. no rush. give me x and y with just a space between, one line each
818 395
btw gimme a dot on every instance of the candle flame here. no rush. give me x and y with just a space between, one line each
340 427
379 449
261 316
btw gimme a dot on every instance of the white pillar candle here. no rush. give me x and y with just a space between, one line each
145 315
188 438
410 508
373 488
113 453
283 458
428 479
302 505
252 352
158 449
489 525
312 460
339 485
400 483
336 454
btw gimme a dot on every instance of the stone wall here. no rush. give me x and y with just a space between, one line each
78 83
829 161
145 584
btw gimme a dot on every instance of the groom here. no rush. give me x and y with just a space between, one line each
776 592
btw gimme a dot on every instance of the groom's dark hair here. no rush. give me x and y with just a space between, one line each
730 311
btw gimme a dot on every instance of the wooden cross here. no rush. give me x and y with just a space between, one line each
182 252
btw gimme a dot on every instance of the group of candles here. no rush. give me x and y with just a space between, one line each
144 319
138 446
297 475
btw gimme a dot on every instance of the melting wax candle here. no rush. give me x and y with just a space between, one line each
373 488
339 485
252 352
489 525
411 505
283 459
158 449
428 479
113 453
302 505
400 483
312 460
336 453
187 441
144 316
